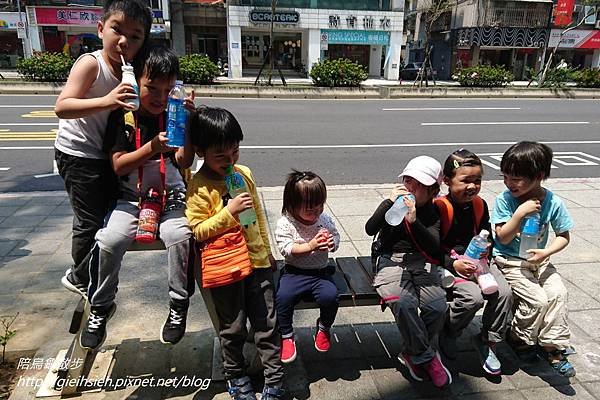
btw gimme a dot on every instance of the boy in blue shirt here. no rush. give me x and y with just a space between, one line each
540 317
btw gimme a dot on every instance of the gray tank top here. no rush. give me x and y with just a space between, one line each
83 137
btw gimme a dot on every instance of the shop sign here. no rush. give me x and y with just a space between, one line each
279 17
376 38
10 20
353 22
158 23
324 41
67 16
575 39
563 12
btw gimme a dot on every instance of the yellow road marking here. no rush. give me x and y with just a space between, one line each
40 114
6 135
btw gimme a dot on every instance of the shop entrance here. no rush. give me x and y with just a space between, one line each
209 45
356 53
287 49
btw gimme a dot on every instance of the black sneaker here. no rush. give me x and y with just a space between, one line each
94 333
174 327
448 346
271 392
241 389
69 282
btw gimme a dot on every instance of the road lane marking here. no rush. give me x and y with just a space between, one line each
40 114
4 168
16 135
560 157
506 123
27 148
451 108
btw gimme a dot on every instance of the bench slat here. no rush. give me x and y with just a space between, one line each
358 280
367 265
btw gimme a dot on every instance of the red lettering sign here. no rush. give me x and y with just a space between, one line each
563 12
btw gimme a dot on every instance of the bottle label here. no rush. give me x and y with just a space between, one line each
531 226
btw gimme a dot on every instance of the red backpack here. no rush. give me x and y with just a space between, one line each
447 213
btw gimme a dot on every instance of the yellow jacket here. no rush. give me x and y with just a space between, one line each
208 217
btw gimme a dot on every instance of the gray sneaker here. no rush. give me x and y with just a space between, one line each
487 355
70 283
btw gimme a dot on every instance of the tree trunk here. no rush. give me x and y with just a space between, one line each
271 47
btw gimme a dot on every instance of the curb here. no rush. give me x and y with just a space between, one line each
363 92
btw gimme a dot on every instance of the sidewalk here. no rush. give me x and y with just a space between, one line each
35 251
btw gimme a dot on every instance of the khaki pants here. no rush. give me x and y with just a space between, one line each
540 304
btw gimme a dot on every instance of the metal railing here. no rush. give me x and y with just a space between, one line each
517 17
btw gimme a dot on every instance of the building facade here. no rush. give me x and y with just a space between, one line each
308 31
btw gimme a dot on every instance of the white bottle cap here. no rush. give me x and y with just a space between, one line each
484 234
178 82
126 68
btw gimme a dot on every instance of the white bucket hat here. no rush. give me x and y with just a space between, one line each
425 169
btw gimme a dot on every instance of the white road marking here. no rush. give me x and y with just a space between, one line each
4 168
365 146
54 171
559 157
506 123
450 108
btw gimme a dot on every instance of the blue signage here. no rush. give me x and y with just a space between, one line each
339 36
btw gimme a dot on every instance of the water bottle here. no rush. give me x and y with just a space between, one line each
235 185
485 279
129 77
477 246
529 235
176 116
149 218
396 213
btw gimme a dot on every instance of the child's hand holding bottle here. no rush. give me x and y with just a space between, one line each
329 236
239 203
320 241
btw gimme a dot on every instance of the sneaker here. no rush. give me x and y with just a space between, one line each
272 393
70 283
487 355
94 333
448 346
288 350
560 363
440 376
416 371
322 341
241 389
174 327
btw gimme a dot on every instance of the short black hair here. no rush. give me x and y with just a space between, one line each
303 188
527 159
214 127
156 61
136 10
460 158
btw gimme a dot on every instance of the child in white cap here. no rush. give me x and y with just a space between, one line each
408 279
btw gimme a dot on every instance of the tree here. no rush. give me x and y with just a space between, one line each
431 11
269 55
595 4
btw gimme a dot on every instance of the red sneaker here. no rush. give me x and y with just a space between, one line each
322 342
288 350
439 375
416 371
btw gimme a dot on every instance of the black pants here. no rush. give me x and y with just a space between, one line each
92 188
250 298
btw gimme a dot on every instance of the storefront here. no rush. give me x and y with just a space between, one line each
517 49
303 37
11 47
205 29
73 30
579 48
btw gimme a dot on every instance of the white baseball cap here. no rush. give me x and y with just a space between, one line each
425 169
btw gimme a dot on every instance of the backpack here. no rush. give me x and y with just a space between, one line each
447 213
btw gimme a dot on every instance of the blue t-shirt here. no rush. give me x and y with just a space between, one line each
553 213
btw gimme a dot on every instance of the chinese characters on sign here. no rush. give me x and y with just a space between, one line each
368 22
563 12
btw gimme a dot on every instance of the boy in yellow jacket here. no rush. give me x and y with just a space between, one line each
211 212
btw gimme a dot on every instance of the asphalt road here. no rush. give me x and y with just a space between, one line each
345 141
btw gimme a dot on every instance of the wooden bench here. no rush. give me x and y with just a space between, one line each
353 277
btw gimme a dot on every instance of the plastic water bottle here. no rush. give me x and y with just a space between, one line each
176 116
396 213
477 246
446 278
129 77
235 186
529 235
485 279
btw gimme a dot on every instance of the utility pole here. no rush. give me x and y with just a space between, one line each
26 52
